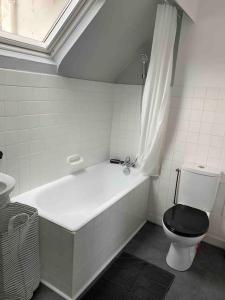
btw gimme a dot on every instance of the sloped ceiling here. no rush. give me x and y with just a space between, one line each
109 48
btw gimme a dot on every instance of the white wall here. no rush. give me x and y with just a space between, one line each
191 7
196 129
125 132
202 47
45 118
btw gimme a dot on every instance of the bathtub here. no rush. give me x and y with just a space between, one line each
85 221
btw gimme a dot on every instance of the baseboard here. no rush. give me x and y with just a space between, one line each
99 271
54 289
155 219
210 239
215 241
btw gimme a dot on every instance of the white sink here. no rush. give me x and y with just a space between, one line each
7 184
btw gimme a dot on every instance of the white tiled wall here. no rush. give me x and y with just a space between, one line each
196 133
45 118
126 121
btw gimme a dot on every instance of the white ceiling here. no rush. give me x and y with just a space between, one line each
111 43
190 7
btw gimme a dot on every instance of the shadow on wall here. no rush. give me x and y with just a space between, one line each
133 71
110 43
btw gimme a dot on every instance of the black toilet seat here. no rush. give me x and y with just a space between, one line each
186 221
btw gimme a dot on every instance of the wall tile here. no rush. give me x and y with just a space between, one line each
212 93
199 139
199 92
125 132
45 118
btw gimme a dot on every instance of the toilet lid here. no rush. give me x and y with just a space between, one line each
186 221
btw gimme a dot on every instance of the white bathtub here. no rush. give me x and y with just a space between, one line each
86 219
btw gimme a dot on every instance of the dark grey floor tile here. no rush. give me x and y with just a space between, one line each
131 278
107 290
44 293
124 270
204 280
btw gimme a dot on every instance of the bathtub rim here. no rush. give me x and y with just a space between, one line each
94 214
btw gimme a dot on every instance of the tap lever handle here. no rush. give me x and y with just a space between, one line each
128 162
127 159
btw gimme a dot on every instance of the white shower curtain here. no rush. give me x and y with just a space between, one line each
155 102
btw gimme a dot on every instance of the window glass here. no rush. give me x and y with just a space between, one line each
30 18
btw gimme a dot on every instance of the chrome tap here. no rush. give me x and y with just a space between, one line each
127 164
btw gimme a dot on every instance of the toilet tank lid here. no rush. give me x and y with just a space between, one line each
201 169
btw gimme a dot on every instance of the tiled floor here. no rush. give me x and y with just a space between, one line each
129 277
204 281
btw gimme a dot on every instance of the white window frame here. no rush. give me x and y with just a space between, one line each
16 43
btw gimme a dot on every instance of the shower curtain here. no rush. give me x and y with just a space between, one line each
155 101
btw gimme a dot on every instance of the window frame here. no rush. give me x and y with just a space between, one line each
16 43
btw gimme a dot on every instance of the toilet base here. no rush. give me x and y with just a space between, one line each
180 258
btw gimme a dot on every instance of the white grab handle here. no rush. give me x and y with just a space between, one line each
75 162
75 159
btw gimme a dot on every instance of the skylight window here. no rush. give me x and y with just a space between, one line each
30 18
36 24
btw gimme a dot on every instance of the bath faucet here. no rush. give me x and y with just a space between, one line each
128 164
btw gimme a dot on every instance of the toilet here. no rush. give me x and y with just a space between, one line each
187 222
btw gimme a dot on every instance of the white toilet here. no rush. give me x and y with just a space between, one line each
186 223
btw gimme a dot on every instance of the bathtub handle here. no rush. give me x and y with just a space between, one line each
75 163
75 159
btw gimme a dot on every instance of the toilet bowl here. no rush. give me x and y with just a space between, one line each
185 227
187 222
